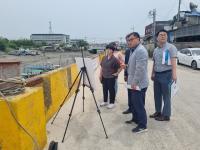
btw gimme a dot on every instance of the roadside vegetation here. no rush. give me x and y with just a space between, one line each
10 45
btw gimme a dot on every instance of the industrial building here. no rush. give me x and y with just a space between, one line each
50 38
148 38
184 27
187 28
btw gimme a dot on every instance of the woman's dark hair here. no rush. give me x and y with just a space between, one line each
112 46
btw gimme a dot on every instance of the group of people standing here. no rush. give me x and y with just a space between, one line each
136 75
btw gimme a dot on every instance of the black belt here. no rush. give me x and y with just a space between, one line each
164 71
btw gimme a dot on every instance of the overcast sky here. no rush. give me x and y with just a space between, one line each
98 20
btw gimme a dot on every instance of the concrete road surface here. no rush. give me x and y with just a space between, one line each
85 130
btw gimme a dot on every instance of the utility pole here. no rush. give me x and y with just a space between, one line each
120 40
179 7
133 28
50 28
152 14
85 38
120 44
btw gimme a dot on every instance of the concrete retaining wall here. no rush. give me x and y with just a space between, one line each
34 108
29 111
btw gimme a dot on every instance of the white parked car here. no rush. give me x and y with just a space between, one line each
190 57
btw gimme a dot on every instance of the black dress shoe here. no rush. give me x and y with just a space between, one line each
131 121
126 112
162 118
156 114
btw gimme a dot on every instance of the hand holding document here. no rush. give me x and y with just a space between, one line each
128 86
173 89
115 74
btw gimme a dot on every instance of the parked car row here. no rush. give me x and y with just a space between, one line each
23 52
189 57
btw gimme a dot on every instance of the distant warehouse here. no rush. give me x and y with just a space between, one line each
50 38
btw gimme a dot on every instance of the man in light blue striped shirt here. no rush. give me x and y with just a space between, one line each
163 73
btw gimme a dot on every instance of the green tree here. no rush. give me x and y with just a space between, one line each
23 43
12 45
5 44
2 46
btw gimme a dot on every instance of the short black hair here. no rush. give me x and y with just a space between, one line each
111 46
162 30
135 34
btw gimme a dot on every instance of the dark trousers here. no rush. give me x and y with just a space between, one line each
109 86
162 92
138 109
130 107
